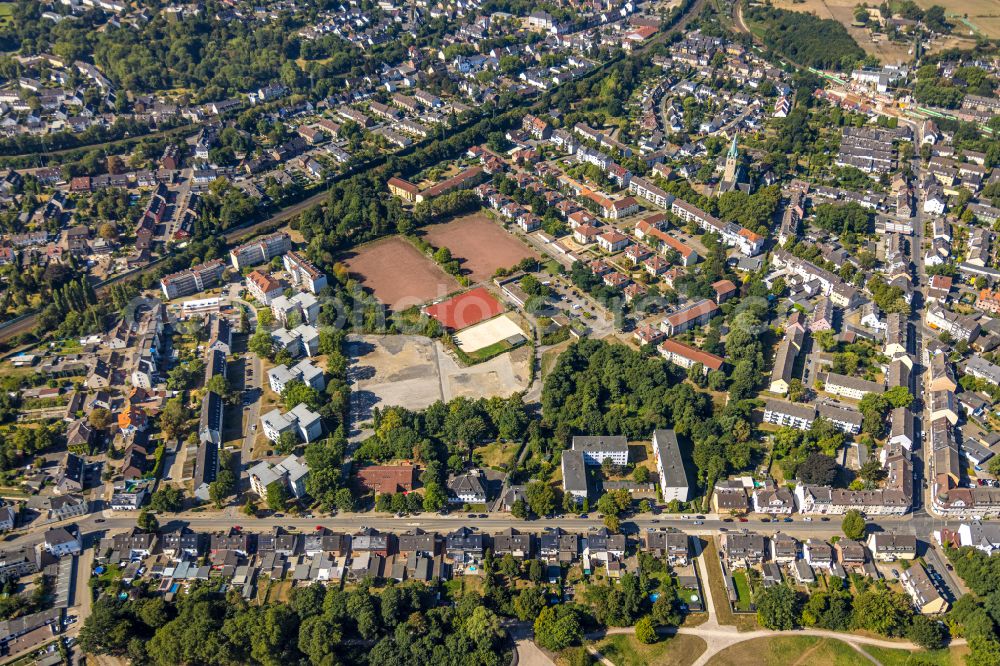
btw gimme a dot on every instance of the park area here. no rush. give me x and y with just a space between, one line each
398 274
480 245
625 650
790 651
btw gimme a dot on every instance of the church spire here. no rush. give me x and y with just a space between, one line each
734 152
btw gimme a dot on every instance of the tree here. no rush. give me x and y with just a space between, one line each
108 231
614 502
853 525
147 521
926 633
541 498
483 627
898 396
168 499
529 602
345 500
796 390
109 627
645 632
99 418
219 384
641 474
883 611
872 472
287 441
817 469
223 486
826 339
173 417
277 495
777 608
297 392
435 498
519 509
558 627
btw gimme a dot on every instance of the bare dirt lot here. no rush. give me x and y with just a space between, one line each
398 274
980 15
413 371
480 244
888 52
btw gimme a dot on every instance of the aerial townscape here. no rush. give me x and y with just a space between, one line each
489 332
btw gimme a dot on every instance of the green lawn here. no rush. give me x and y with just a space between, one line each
496 454
626 650
742 590
719 596
954 656
790 651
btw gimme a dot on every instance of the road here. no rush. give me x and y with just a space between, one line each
212 520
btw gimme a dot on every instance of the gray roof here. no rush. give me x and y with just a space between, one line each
600 443
854 383
668 452
574 471
794 409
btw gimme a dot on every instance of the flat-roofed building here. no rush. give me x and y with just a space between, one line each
595 449
670 466
574 475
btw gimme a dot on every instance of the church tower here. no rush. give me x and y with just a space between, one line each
732 163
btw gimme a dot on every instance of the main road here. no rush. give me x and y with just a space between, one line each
214 520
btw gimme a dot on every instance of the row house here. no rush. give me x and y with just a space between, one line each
960 327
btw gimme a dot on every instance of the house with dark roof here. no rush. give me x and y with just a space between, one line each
465 546
418 541
558 546
889 546
669 543
518 544
743 549
467 488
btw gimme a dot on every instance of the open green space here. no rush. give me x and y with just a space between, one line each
626 650
951 656
789 651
